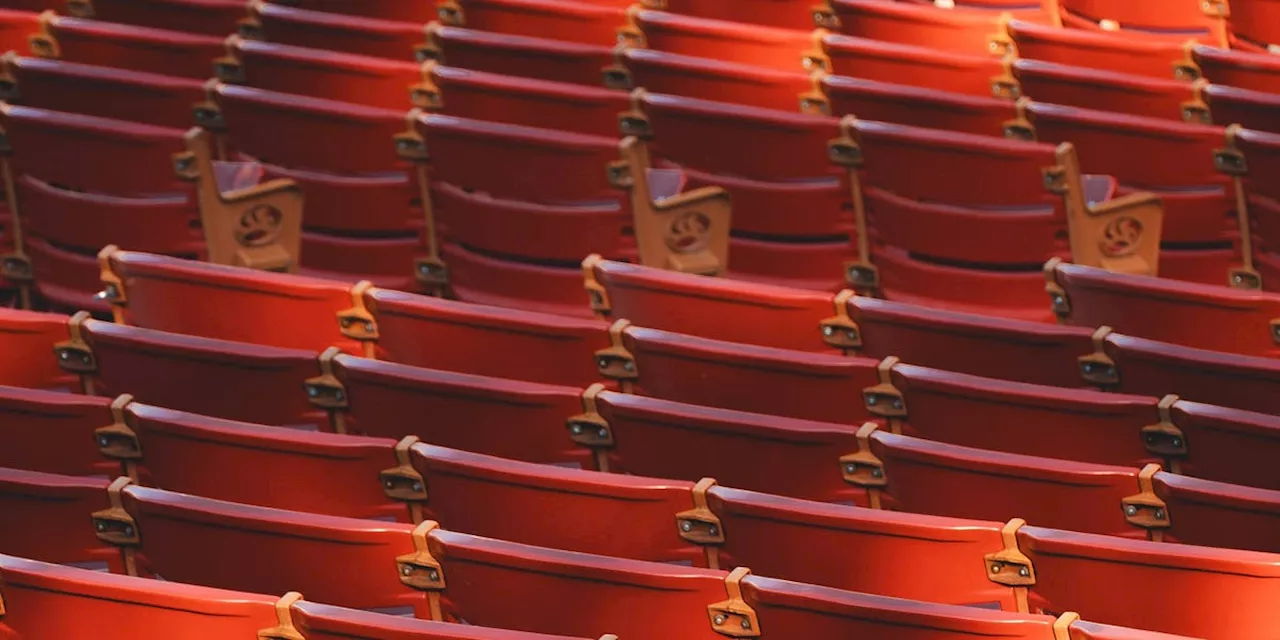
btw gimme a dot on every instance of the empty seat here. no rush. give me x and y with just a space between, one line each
1159 156
380 9
515 55
1100 50
1247 156
585 22
787 14
115 607
914 106
1253 22
1256 110
1219 514
236 304
508 418
210 17
342 157
48 514
17 24
724 39
323 622
483 340
392 39
1195 315
162 51
106 92
1105 90
709 78
53 432
28 338
1242 69
907 63
320 73
716 308
1094 575
233 380
960 30
713 373
1175 21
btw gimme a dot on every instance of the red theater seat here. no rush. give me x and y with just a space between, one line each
209 17
53 432
105 92
233 380
907 63
48 516
665 439
1105 90
28 338
45 600
523 101
117 186
710 79
1256 110
1095 575
156 292
723 39
379 9
343 157
915 106
1175 21
713 373
564 20
320 73
1242 69
491 341
1254 22
17 23
1119 53
1160 156
173 53
323 622
809 542
393 39
960 30
508 418
1219 514
531 57
787 14
243 462
1194 315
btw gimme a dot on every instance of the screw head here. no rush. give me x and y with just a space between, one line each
850 468
338 395
576 429
712 531
746 624
64 355
128 531
417 486
877 473
1024 572
686 526
996 567
628 365
873 400
313 392
389 484
602 363
1177 442
102 441
897 404
1131 511
602 433
406 570
434 575
719 619
1159 514
828 331
101 526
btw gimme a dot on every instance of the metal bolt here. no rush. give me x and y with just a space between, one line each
103 441
84 359
850 468
828 331
872 400
1024 572
417 486
997 567
102 527
853 335
1088 367
603 433
406 570
576 429
313 392
425 269
877 473
712 531
897 403
64 355
389 484
434 575
128 531
686 526
602 363
746 624
346 322
719 619
1131 511
1177 442
1159 514
368 326
628 365
338 395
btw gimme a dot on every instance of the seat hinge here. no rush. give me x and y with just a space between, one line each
450 13
358 323
1010 567
1000 43
1006 85
426 94
118 441
596 292
1186 68
824 17
1098 368
885 400
116 527
589 429
700 525
74 355
863 469
840 331
1196 110
1146 510
616 362
113 290
420 570
1062 626
1019 127
403 482
1058 300
734 617
1230 161
326 391
285 630
1164 438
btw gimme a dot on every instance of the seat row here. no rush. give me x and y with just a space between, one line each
116 607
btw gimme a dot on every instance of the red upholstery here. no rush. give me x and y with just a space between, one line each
527 101
763 46
916 106
323 622
1173 20
321 73
787 14
1119 53
961 30
715 79
1220 514
912 64
53 432
1254 21
209 17
1252 109
1243 69
28 339
380 9
583 22
1103 90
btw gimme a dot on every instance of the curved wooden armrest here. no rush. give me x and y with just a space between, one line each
259 227
1121 235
